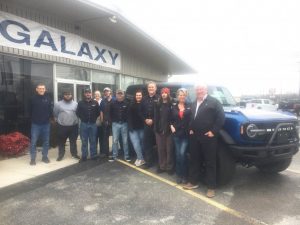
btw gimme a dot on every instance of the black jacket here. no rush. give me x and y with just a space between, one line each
41 109
162 118
88 111
135 117
119 111
181 125
210 117
148 105
106 110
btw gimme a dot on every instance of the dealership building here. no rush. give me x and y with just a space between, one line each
71 44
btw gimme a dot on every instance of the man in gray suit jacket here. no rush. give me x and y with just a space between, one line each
206 121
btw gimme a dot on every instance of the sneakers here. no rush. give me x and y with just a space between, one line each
127 159
180 180
82 160
139 162
111 159
59 158
45 160
75 157
190 186
32 162
210 193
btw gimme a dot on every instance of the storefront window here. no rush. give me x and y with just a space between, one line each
73 73
17 84
101 79
128 80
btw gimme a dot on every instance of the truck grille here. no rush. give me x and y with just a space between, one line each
285 134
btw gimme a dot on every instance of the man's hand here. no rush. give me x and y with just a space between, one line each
191 132
209 134
149 122
173 129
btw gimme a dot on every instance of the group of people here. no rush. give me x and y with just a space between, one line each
177 129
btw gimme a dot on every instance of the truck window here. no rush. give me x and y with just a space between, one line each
223 95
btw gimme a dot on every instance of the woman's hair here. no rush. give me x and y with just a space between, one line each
97 92
137 91
169 99
183 90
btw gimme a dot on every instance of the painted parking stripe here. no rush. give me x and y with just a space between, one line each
201 197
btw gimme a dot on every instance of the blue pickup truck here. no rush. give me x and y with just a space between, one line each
264 139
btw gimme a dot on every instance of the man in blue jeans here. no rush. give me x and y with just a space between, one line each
41 112
118 115
88 111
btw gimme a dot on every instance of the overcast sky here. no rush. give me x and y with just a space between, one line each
248 46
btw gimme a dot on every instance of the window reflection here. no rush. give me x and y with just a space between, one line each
17 84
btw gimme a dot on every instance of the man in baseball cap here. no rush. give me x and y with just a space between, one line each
88 111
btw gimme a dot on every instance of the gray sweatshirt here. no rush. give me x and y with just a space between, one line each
65 113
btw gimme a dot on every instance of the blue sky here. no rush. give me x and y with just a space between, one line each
248 46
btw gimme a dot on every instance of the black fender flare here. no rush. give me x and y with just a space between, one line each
226 138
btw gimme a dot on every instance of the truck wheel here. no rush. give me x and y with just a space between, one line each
275 167
225 165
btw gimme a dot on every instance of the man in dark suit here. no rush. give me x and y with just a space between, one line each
206 121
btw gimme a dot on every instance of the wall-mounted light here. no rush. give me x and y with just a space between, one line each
113 19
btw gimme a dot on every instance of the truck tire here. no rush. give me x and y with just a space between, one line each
225 165
275 167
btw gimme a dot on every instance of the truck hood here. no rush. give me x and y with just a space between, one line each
264 115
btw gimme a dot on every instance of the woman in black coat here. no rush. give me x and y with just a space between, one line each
180 119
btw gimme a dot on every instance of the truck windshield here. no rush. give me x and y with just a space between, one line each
220 93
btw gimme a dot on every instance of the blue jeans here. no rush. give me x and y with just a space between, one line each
88 135
38 130
136 137
117 130
181 145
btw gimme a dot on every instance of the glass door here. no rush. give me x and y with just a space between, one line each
80 91
76 87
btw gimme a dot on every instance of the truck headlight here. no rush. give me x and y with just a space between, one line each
250 130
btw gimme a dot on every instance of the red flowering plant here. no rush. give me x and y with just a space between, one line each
13 144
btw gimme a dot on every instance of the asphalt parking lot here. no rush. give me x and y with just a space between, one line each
116 193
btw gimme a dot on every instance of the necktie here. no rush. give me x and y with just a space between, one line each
198 105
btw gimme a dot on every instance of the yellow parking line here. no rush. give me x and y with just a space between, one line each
203 198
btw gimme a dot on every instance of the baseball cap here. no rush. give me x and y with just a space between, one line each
87 90
120 92
107 89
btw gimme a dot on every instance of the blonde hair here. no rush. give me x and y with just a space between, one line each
183 90
97 92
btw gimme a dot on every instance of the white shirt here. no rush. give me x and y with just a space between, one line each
198 104
100 100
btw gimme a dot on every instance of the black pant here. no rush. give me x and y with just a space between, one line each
99 140
106 128
63 133
149 143
203 154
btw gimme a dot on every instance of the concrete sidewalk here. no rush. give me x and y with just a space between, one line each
14 170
